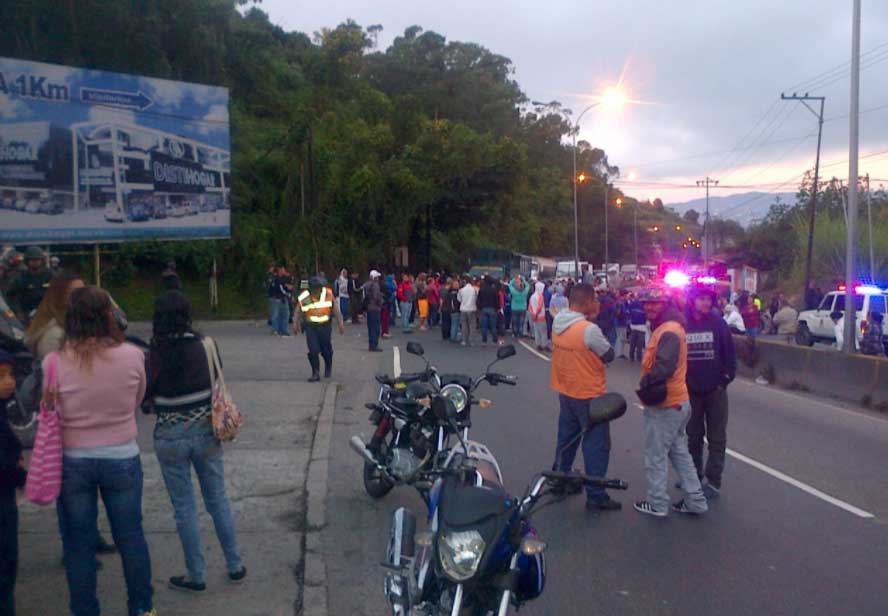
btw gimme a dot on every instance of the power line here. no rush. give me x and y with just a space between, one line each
844 66
748 155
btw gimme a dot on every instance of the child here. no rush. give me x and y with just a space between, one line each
12 476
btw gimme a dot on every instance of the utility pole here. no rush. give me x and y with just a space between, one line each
853 181
606 242
813 212
707 183
869 218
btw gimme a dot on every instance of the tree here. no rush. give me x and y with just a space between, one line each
692 216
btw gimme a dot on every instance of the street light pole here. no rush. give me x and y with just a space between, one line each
576 216
853 181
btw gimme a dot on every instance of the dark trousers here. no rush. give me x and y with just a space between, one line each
636 344
445 325
8 555
354 307
572 420
488 324
709 418
433 314
319 341
549 320
373 328
385 318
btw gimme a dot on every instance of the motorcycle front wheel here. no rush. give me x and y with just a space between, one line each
376 483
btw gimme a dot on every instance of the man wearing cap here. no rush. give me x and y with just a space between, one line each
373 302
318 310
28 289
712 365
663 390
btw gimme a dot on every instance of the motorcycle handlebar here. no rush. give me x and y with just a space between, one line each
505 379
592 482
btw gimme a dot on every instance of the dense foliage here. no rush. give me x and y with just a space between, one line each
343 152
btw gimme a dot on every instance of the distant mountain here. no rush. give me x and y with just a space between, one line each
745 208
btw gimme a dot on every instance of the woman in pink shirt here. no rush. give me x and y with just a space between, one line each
101 385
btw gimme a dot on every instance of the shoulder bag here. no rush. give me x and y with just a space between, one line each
44 482
227 419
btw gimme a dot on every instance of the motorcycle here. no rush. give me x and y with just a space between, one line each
408 439
481 553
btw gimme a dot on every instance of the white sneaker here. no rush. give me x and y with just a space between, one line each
646 507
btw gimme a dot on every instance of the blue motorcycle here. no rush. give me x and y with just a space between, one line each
481 553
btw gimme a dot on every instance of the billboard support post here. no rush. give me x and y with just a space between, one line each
98 265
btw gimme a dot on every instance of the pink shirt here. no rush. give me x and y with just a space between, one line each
98 406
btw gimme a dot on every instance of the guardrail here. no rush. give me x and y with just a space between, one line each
862 379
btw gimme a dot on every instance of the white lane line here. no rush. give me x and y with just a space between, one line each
396 359
804 487
533 350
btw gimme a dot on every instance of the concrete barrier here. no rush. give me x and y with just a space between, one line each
862 379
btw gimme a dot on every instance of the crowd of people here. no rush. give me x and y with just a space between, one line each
99 383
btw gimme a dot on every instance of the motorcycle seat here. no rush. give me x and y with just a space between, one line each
406 377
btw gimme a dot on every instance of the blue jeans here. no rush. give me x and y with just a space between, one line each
488 324
406 311
178 448
572 420
343 307
120 484
518 323
280 316
454 327
374 325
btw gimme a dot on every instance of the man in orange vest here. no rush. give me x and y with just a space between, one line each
579 354
663 390
318 313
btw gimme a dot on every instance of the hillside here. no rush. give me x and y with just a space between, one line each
745 208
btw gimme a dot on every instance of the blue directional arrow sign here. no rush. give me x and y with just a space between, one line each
115 98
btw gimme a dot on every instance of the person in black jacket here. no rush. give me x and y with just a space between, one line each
488 306
712 365
12 477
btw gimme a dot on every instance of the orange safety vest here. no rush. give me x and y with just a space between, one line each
576 371
676 385
317 312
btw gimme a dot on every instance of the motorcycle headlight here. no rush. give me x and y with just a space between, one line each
460 554
457 395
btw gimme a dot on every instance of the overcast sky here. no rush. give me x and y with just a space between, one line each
709 73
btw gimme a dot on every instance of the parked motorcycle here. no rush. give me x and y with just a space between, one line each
481 553
410 440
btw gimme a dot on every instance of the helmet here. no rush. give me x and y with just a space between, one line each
700 289
655 293
33 252
316 282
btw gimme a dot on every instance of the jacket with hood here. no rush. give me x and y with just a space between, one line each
666 358
519 296
579 353
712 360
536 309
559 301
488 296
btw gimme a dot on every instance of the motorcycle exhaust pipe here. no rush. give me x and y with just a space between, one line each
357 444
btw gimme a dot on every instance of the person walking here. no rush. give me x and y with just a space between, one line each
637 329
317 311
433 294
179 392
341 291
607 318
752 319
373 300
712 365
27 289
468 305
519 291
270 275
282 291
579 354
406 295
488 304
101 384
12 478
422 301
451 303
622 324
664 391
389 289
536 311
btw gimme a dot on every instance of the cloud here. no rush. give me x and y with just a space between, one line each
98 113
172 94
13 108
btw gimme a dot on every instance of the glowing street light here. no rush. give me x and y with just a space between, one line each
613 99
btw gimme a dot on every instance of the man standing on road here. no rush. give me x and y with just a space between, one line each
28 289
318 309
373 300
637 328
712 365
281 292
664 391
579 353
468 302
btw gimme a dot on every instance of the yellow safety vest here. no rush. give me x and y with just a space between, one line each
317 312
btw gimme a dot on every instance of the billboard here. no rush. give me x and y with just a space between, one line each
95 156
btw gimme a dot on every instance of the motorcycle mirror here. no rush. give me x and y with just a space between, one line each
505 352
606 408
415 348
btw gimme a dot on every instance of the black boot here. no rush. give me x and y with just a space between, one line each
328 366
315 368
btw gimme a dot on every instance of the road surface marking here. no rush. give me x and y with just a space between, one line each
800 485
533 350
804 487
396 359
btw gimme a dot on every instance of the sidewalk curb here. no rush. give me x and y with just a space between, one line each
314 593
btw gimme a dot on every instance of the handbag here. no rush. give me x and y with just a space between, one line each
227 419
44 482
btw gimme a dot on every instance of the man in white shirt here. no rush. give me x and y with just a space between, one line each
468 297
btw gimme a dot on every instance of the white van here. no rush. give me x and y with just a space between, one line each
817 326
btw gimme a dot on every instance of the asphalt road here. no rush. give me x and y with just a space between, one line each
789 535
